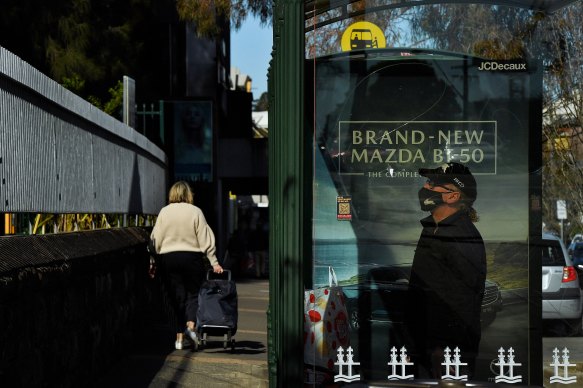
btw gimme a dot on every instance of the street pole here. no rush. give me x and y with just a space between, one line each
287 196
562 214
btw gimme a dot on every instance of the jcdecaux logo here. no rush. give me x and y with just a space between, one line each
497 66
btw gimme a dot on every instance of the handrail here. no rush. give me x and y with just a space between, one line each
60 154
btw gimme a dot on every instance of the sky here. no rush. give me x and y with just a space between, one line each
251 52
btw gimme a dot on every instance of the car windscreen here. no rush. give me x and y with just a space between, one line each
552 253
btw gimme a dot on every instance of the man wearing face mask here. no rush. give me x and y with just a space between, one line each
449 270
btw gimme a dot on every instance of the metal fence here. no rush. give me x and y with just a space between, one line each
60 154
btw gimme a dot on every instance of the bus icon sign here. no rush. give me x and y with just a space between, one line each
363 36
362 39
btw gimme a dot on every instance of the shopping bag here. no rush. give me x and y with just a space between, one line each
325 323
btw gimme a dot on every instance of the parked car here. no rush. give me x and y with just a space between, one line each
492 302
576 253
383 294
578 238
562 298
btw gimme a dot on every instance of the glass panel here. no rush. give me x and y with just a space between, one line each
425 300
483 30
552 254
193 138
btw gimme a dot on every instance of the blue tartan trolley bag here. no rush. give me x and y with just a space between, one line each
217 308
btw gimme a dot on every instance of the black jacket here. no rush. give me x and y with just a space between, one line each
447 284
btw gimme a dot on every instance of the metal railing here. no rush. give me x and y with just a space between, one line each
61 155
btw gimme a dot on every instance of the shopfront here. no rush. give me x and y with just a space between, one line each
418 194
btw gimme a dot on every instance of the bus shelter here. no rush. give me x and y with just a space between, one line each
370 102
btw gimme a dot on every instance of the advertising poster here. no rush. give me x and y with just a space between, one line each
425 299
192 122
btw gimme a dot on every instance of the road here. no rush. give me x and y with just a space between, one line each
510 324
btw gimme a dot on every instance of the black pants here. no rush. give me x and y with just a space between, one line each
183 274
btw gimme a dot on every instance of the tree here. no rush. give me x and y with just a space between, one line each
262 103
563 118
480 30
557 41
325 29
86 45
206 13
489 31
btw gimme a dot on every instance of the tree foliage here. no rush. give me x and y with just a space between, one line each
480 30
476 29
86 45
324 30
556 40
262 103
113 106
563 118
206 13
89 45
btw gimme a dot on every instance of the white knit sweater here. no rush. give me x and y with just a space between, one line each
182 227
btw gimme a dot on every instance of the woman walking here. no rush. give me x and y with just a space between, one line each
185 244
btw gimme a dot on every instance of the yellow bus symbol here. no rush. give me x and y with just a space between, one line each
362 36
362 39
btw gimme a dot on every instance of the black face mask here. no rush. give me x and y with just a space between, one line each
429 199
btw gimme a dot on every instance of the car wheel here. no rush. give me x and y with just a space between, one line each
576 327
563 328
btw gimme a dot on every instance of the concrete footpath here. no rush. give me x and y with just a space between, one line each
154 363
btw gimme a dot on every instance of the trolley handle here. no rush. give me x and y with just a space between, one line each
218 275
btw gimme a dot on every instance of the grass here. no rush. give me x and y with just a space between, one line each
508 264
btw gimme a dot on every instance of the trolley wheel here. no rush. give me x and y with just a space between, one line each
195 345
232 345
204 338
225 340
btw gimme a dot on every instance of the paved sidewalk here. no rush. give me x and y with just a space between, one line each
159 365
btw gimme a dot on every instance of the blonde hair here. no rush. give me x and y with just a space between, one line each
467 206
180 192
473 214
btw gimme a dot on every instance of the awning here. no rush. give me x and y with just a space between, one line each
315 7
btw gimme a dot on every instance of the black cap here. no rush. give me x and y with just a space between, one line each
456 174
